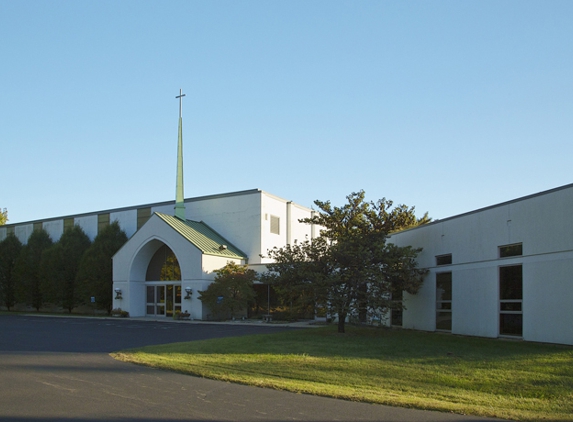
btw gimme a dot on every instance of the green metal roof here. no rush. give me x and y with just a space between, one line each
203 237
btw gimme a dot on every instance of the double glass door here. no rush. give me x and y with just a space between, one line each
163 300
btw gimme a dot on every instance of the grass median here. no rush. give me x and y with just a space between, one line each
505 379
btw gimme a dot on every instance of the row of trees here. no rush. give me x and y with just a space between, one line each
66 273
349 269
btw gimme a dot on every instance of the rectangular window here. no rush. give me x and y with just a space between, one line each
275 224
102 222
10 230
396 314
143 214
38 226
444 301
511 250
444 259
511 300
68 223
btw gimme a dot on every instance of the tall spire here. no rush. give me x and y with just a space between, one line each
179 198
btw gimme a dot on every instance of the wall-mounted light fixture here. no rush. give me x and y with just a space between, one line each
118 293
189 292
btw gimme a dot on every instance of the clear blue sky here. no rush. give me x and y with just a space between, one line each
447 106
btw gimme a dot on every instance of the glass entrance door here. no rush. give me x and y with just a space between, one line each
163 300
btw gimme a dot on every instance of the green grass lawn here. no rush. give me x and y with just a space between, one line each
505 379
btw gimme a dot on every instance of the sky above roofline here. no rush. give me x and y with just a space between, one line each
446 106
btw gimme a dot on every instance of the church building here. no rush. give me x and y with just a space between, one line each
174 247
173 256
169 259
505 271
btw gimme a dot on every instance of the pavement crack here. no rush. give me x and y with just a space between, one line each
59 387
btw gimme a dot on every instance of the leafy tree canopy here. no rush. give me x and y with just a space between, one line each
231 292
3 216
349 269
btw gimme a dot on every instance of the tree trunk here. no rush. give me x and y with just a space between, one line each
341 321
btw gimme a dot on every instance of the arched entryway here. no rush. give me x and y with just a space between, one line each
163 284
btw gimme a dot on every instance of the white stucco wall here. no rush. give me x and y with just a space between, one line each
55 228
88 224
300 231
272 206
547 298
290 229
236 217
23 232
540 223
127 221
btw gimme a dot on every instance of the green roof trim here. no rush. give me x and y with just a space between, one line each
207 240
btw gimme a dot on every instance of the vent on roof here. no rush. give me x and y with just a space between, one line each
275 224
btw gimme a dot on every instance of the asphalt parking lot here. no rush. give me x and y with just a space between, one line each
59 369
105 335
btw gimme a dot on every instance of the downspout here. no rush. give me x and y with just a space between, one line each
312 226
288 223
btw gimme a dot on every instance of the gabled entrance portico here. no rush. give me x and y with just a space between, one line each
164 259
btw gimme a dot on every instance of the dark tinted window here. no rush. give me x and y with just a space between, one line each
511 250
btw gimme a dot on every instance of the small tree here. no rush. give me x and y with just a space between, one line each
95 274
3 216
27 269
231 292
10 249
349 268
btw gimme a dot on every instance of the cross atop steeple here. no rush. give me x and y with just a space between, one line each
180 96
179 197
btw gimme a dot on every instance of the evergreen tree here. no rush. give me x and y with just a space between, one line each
60 267
51 274
27 269
10 249
95 274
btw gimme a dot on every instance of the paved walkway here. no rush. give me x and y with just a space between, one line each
59 369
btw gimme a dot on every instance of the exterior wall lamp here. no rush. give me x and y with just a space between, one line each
189 292
118 294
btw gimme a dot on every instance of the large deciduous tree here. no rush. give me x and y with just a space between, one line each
231 292
10 249
95 274
60 267
27 269
350 269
